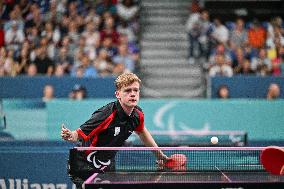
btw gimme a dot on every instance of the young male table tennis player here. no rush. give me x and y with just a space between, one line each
109 126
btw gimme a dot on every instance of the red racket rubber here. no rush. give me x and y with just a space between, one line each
272 159
177 162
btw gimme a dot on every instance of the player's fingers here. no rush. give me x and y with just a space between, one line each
160 165
65 132
65 136
63 128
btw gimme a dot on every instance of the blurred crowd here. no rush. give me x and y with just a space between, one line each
237 47
80 38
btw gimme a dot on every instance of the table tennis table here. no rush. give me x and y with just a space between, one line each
175 180
207 167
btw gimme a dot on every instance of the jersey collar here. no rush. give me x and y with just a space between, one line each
121 113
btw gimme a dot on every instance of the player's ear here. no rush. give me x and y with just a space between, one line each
117 94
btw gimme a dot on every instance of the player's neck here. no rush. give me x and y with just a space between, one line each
128 110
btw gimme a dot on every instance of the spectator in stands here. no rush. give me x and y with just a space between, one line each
261 64
23 60
277 37
277 61
92 38
220 68
237 57
244 68
78 92
84 68
256 35
274 51
103 63
193 28
249 52
32 70
48 93
109 30
50 33
238 36
276 23
14 17
33 37
43 63
59 70
220 50
132 46
273 91
34 18
108 45
64 59
204 33
10 64
223 92
63 25
92 16
56 11
124 28
220 33
14 37
67 43
124 58
24 6
73 33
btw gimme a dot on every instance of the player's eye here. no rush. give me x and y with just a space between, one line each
130 90
127 90
136 90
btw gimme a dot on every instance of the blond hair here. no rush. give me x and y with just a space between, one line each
126 79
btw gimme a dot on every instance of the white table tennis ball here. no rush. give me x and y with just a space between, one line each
214 140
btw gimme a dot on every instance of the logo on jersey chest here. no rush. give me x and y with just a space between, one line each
116 131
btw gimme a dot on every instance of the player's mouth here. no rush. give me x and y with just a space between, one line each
132 100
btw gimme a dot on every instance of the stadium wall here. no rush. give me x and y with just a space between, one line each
263 120
32 87
244 86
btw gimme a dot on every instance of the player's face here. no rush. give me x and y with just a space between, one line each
129 95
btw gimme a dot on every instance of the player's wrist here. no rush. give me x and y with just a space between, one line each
162 156
74 136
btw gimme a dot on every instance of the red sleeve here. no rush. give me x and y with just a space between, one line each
97 123
140 127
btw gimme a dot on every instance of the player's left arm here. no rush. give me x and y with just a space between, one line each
147 139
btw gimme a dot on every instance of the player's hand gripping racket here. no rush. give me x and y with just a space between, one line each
177 162
272 159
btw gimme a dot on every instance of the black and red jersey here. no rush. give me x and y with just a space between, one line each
110 126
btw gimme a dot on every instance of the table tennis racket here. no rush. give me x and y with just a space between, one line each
272 159
177 162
